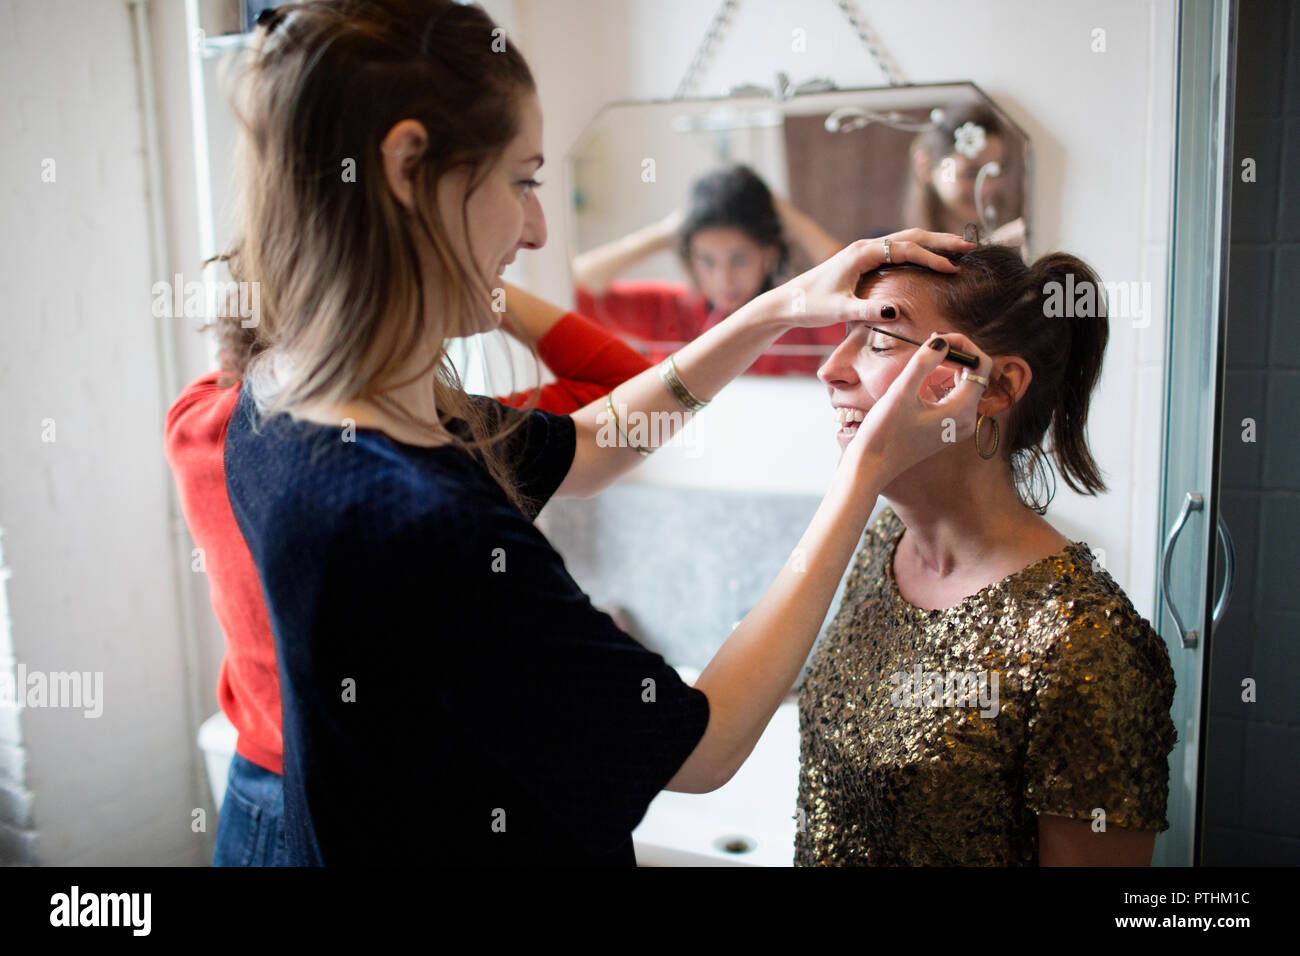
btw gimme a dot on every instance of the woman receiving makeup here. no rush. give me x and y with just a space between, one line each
986 693
449 693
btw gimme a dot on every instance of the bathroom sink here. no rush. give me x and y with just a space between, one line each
748 822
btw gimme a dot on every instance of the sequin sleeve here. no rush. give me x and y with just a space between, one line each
1099 727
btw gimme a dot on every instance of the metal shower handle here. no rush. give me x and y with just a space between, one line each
1196 502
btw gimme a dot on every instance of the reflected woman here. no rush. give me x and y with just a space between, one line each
986 693
734 243
945 161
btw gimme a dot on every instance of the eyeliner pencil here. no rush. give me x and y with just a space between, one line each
956 356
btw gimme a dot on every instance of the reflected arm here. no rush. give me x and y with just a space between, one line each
595 269
650 414
818 244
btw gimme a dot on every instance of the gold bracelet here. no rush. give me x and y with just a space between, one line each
609 403
668 372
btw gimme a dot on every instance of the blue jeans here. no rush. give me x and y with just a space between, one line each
250 831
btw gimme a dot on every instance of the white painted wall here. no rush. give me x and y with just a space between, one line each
93 586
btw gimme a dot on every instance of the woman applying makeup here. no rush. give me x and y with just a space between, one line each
986 694
587 362
449 693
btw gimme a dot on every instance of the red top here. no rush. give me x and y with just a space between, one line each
587 362
658 318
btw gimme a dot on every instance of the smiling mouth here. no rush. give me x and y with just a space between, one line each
849 419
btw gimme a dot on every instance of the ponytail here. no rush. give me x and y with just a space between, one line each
1085 332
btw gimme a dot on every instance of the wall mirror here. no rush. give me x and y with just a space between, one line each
682 210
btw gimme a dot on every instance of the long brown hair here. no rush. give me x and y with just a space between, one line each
342 286
1002 304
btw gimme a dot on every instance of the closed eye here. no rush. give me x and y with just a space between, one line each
851 327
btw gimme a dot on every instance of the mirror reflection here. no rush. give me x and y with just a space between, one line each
734 196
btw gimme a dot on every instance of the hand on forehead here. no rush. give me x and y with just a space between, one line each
896 301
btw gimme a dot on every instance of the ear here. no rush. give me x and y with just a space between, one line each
1008 382
401 148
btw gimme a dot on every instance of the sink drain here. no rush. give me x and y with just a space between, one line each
734 844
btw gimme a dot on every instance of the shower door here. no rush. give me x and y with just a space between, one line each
1193 400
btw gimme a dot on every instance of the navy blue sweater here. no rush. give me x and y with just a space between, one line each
450 695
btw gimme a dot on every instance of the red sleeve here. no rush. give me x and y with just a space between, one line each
200 409
248 684
648 310
588 362
666 312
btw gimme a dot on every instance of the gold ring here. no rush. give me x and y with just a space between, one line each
978 378
885 243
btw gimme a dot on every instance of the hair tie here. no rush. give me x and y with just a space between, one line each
270 18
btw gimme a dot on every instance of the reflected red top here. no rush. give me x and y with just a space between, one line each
658 317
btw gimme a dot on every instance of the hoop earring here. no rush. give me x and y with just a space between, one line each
996 438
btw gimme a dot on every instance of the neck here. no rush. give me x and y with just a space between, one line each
415 397
958 509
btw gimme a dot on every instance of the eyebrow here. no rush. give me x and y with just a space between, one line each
535 158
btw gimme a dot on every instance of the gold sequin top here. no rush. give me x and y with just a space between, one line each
933 738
